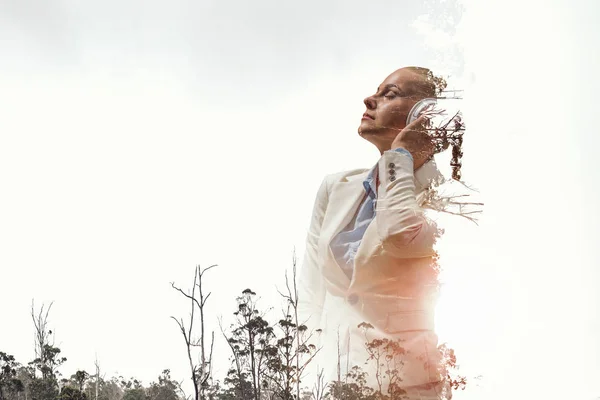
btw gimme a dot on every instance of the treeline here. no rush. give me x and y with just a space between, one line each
268 361
26 382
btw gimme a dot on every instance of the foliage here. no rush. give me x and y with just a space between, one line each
135 394
43 389
354 387
48 362
9 382
165 389
251 341
71 393
79 378
107 389
237 386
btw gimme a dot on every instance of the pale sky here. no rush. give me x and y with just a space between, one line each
139 139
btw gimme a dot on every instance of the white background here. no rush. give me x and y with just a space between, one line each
140 138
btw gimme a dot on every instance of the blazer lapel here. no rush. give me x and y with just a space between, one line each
344 199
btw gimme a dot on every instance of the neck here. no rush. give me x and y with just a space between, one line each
379 140
383 146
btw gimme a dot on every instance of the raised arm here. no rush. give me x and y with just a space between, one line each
400 221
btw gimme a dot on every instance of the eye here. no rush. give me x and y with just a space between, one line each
390 95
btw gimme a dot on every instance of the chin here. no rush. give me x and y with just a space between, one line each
367 132
364 130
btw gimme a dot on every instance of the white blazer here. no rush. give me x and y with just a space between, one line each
394 284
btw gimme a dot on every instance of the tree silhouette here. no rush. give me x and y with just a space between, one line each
200 371
9 382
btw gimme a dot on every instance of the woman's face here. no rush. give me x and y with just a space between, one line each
388 108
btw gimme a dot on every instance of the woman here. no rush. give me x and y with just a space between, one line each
370 248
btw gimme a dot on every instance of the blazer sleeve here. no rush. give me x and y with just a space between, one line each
402 227
311 285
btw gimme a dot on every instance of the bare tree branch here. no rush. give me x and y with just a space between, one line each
202 370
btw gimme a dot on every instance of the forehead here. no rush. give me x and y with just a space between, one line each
404 78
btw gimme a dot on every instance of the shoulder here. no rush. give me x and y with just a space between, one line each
329 182
345 176
328 185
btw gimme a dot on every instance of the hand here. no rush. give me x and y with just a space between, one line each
415 139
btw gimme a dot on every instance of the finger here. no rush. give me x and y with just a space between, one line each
420 124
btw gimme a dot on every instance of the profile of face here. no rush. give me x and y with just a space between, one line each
388 108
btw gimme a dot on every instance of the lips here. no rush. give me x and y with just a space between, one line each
367 116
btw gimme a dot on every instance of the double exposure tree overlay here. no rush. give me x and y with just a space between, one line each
43 370
295 349
268 360
252 342
200 369
10 384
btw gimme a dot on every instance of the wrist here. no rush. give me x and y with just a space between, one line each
401 148
418 158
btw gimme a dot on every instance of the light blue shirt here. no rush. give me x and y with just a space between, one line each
345 244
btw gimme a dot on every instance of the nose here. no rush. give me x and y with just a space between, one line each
370 103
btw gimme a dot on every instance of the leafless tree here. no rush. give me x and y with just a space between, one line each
302 335
237 359
97 377
319 388
201 369
42 333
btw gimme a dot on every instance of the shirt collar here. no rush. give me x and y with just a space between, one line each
370 182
